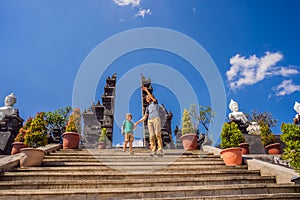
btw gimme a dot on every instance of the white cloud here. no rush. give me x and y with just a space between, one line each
136 6
286 87
143 12
134 3
248 71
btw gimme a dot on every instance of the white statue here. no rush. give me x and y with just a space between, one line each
244 125
297 109
235 114
253 128
8 108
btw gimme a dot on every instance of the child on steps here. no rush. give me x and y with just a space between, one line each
127 129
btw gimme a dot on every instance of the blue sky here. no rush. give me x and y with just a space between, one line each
254 44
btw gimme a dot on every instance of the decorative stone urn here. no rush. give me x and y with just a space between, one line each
32 157
70 140
232 156
16 147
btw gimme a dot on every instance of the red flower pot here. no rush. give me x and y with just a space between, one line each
274 148
245 148
232 156
16 147
189 141
70 140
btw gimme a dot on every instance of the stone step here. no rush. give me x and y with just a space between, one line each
106 168
122 154
134 158
114 152
151 192
276 196
165 182
147 162
109 175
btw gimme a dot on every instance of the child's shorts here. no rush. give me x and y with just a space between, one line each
129 137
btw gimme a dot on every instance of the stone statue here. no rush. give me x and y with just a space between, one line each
241 120
235 115
297 109
254 128
8 108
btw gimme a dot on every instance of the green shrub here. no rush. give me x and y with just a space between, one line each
103 135
74 123
267 137
22 132
231 135
36 134
291 138
187 126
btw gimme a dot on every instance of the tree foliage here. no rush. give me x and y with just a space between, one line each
203 117
59 118
264 118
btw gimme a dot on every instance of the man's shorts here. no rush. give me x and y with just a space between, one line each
129 137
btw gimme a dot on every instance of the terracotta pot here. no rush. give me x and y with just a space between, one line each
274 148
232 156
70 140
245 148
189 141
101 145
16 147
31 157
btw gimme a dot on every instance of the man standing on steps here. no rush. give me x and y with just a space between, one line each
154 123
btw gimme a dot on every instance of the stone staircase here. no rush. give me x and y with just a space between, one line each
112 174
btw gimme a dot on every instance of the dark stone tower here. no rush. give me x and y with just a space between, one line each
101 115
9 128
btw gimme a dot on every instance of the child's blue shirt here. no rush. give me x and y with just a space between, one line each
128 126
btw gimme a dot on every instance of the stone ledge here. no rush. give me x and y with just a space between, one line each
12 161
283 174
212 149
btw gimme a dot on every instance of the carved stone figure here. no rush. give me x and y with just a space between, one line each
297 109
235 114
253 128
240 118
8 108
10 123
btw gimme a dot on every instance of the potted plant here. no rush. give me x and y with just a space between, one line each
102 139
18 143
57 122
188 138
71 137
231 137
291 138
36 136
268 140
